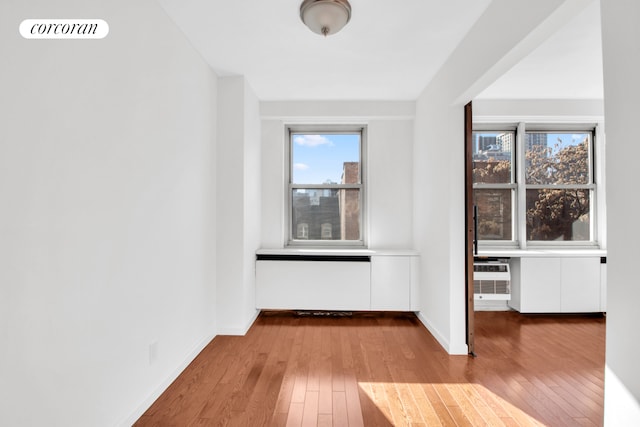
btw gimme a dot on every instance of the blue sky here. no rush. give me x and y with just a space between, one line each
318 158
564 140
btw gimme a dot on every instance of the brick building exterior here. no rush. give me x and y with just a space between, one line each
329 214
350 203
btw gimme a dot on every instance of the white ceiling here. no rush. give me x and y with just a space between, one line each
389 51
566 66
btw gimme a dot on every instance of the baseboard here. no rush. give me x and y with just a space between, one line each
444 342
238 331
146 404
436 334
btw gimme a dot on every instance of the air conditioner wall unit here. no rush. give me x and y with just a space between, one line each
491 281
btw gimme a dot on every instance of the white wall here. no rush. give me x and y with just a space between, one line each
621 57
539 110
239 204
388 166
108 196
439 220
481 57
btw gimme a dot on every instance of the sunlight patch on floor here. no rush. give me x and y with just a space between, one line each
437 404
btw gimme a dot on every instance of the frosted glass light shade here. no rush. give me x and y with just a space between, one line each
325 17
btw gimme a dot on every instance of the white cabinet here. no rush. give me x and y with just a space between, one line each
540 283
580 285
313 285
391 283
556 285
382 282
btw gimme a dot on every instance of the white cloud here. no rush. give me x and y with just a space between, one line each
312 140
300 167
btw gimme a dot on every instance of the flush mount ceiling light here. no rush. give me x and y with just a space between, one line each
325 17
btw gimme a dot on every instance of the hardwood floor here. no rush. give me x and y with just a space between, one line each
387 370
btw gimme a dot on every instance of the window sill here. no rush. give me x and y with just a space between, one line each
337 251
541 252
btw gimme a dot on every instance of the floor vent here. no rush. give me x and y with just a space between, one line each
324 313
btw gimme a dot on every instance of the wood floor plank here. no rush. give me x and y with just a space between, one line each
460 417
423 404
279 419
373 412
385 369
470 401
444 416
296 412
300 386
340 417
325 392
352 396
380 400
409 404
325 420
310 413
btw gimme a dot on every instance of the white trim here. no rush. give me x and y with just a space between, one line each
550 120
442 340
337 251
520 205
345 120
534 110
599 177
335 128
332 112
146 403
491 305
561 186
542 252
239 331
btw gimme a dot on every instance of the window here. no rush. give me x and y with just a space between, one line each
494 184
559 186
534 188
325 189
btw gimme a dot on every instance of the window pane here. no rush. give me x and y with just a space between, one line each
325 158
558 215
493 157
326 214
557 158
494 214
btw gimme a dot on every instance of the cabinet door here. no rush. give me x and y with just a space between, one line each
540 286
580 285
390 283
313 285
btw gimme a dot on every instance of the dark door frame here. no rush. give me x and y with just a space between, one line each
469 226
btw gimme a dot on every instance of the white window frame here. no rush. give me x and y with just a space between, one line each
590 187
325 129
513 185
519 226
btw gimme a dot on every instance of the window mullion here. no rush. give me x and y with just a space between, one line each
560 186
521 193
326 186
494 186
